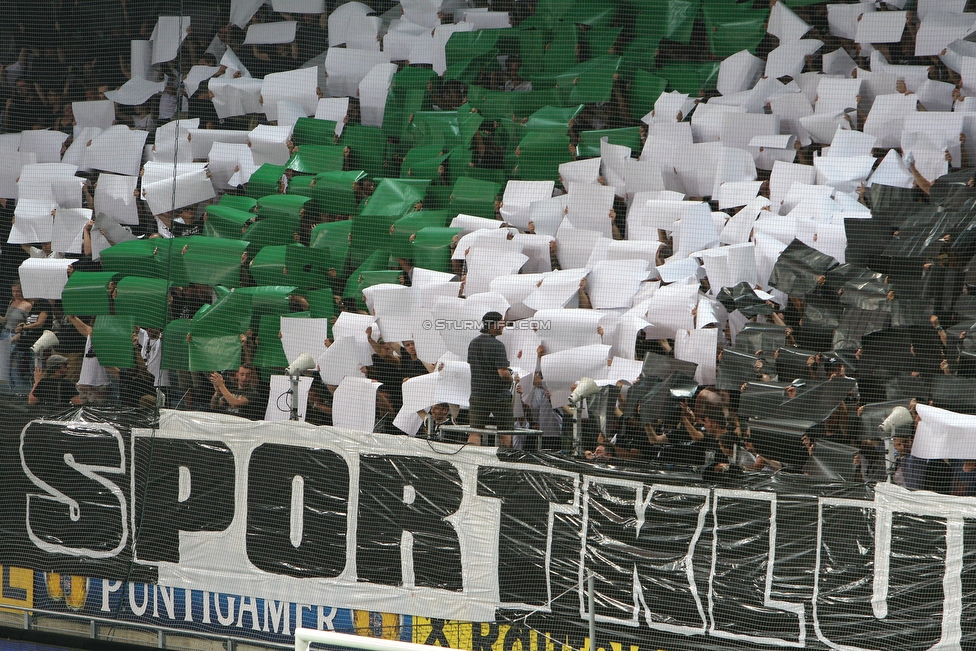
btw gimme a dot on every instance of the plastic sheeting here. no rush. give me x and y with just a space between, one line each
450 536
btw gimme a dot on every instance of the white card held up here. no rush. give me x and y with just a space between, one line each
422 12
558 289
44 277
942 434
738 228
295 86
694 231
682 272
354 404
881 27
836 96
394 307
335 109
453 383
235 96
786 25
773 148
838 62
733 194
241 11
671 308
37 181
269 144
98 113
574 246
373 91
196 76
270 33
892 171
843 18
302 335
939 30
782 178
346 68
706 124
33 221
153 171
727 266
484 265
887 118
349 324
135 91
191 188
844 174
140 59
75 154
612 284
565 368
46 144
700 347
118 149
563 329
673 107
299 6
115 197
344 20
913 76
340 360
939 128
580 171
589 207
519 196
483 19
788 60
68 230
739 72
201 140
167 36
279 385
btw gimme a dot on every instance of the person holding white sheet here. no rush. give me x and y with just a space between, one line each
94 382
491 380
18 311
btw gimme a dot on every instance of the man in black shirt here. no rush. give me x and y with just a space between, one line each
53 389
491 380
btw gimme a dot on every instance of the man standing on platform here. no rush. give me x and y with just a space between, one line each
491 381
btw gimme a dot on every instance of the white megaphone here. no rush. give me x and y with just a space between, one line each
899 417
585 388
45 341
302 363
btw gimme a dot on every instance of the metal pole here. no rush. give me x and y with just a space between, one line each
294 398
577 433
592 607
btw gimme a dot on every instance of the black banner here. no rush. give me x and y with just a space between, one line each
298 514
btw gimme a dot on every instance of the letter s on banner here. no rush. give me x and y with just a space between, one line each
80 512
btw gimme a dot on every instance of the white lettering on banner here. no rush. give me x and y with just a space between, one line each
889 500
377 487
207 562
642 496
768 601
99 450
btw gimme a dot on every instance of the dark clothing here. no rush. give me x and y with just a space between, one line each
246 410
54 392
391 375
486 355
411 367
499 407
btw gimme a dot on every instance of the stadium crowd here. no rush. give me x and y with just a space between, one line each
745 221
